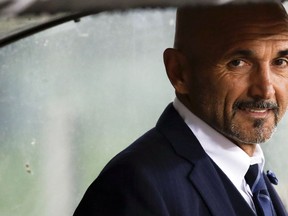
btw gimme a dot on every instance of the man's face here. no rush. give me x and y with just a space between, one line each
239 84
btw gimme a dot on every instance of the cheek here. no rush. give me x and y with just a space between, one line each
226 89
281 92
227 93
216 99
285 94
215 93
282 101
203 100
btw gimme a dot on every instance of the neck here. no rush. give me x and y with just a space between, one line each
249 149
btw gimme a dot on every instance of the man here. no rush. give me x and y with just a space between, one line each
229 68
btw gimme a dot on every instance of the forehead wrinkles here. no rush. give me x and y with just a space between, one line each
260 49
206 27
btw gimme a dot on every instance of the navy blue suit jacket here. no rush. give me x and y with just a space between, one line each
165 173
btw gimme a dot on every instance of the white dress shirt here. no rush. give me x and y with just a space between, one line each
231 159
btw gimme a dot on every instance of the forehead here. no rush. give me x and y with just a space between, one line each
207 17
221 26
252 37
249 26
266 47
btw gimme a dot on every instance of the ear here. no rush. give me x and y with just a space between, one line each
176 64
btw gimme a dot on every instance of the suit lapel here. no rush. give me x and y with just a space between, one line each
203 175
211 188
239 205
277 203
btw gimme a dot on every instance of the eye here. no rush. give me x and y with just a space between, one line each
282 62
236 63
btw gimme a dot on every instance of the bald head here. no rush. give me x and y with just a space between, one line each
200 27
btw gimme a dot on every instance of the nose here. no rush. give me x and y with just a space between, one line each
262 86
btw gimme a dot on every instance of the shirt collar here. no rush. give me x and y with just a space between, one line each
231 159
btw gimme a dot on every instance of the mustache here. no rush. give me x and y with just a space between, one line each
260 104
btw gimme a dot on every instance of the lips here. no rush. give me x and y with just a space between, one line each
256 113
257 109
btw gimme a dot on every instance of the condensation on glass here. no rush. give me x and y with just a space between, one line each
73 96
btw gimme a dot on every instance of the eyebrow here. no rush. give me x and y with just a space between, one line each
283 53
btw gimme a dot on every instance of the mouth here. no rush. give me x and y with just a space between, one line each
256 112
256 109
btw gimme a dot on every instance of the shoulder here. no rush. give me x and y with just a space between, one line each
149 152
135 180
140 179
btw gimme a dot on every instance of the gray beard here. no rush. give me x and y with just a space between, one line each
259 132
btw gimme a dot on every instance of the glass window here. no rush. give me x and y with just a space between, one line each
73 96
